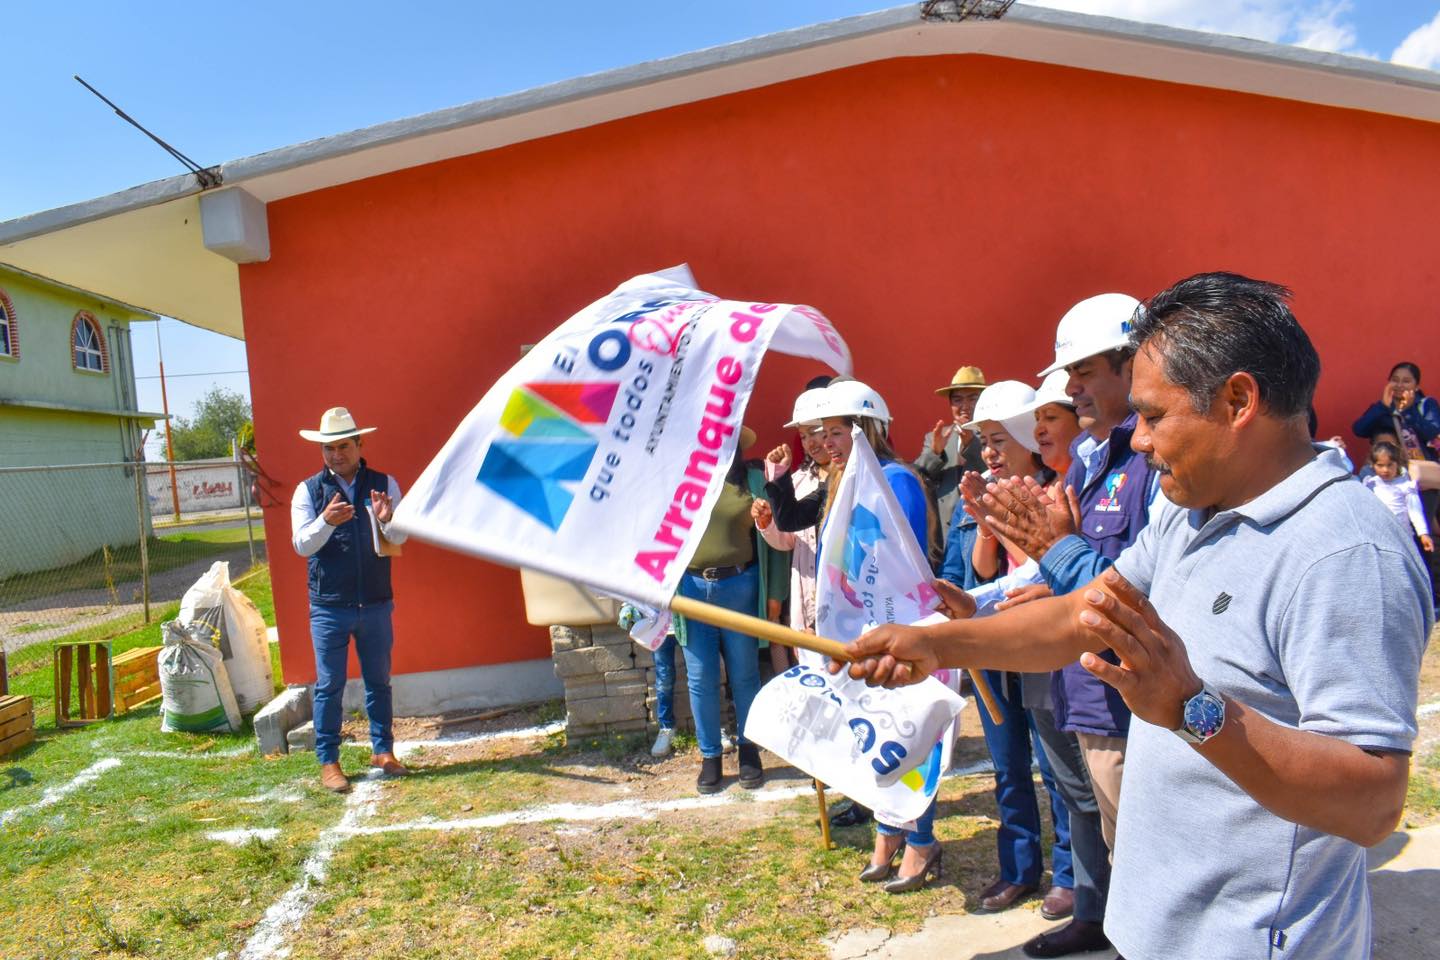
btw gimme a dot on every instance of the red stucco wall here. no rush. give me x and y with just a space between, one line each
941 211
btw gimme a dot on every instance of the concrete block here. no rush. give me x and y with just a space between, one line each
606 710
629 726
579 731
302 737
609 635
569 638
278 717
585 688
643 657
592 660
626 684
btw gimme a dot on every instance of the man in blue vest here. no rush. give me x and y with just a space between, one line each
1111 487
349 587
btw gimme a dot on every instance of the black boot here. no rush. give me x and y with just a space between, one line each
709 779
752 774
850 816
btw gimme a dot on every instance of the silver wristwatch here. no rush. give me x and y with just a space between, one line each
1201 716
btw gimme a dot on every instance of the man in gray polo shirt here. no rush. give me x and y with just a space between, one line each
1273 669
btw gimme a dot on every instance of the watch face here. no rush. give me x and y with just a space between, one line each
1204 714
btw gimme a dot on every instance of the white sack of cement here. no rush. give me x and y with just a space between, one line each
213 609
194 686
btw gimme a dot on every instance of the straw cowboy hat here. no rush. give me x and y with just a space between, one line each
966 378
335 424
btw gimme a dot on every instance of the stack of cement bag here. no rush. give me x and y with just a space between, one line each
215 664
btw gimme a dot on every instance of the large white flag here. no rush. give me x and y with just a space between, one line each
599 456
884 748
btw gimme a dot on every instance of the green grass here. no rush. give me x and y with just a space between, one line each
107 568
32 673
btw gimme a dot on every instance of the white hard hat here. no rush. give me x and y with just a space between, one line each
1011 404
807 407
1052 390
1092 326
851 398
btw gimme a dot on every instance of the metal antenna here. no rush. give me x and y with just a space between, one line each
207 176
956 11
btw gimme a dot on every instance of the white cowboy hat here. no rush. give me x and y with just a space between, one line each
335 424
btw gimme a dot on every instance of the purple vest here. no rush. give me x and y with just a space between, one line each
1114 508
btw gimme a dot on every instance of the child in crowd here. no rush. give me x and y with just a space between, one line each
1396 490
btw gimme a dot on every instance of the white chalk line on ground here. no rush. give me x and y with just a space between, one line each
243 835
407 747
285 915
616 810
578 812
183 755
1426 709
55 794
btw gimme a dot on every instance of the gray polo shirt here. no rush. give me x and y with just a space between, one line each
1308 605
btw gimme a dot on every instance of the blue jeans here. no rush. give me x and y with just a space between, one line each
665 683
330 631
922 836
705 645
1012 745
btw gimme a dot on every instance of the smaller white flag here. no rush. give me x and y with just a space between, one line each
884 748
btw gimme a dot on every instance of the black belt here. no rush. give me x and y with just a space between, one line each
717 573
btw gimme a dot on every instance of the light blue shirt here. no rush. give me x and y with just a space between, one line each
1310 606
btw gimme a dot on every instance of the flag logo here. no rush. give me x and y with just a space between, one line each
545 444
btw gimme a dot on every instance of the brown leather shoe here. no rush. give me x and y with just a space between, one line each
1002 895
332 778
389 765
1058 904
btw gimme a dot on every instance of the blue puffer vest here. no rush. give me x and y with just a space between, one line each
1114 508
346 572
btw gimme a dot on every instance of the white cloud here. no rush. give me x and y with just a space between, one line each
1421 48
1326 27
1316 24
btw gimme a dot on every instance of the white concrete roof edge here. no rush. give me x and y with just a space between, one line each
238 172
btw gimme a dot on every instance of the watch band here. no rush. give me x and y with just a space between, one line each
1201 716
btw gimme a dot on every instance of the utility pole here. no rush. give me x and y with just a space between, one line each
165 408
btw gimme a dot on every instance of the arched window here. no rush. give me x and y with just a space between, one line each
9 329
89 343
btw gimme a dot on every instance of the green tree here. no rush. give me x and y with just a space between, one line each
220 415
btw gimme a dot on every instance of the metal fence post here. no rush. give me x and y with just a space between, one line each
144 540
244 491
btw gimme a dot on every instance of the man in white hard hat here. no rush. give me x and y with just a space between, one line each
950 450
340 522
1271 625
1114 487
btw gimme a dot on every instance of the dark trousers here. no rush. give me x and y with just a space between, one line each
1090 858
1010 743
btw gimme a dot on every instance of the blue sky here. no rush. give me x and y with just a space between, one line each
225 82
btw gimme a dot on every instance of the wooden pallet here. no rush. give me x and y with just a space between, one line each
17 723
137 678
84 681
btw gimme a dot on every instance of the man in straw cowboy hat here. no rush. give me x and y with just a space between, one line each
331 526
949 450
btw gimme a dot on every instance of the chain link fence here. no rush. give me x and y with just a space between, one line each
90 551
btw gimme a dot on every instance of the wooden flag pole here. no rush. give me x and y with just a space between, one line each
825 842
787 636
